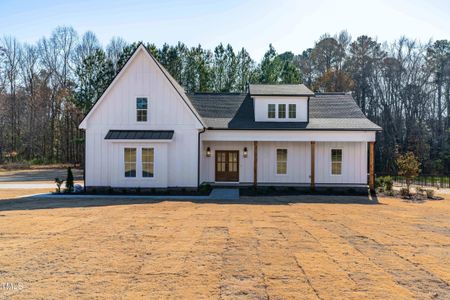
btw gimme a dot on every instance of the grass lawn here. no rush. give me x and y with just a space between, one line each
90 248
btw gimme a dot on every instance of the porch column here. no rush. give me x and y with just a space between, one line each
372 166
255 163
313 166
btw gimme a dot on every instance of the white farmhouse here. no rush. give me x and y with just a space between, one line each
146 132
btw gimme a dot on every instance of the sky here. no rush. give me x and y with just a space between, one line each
291 25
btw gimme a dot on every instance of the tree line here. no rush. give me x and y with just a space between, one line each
46 88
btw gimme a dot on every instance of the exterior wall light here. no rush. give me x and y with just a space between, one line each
245 152
208 152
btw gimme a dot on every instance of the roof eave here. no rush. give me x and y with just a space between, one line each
283 95
297 129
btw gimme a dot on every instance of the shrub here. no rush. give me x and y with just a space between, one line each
292 189
408 166
430 193
388 183
380 182
205 188
271 189
69 180
390 193
58 182
404 192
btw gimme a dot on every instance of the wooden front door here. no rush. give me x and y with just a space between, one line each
227 166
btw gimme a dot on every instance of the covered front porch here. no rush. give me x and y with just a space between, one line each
289 162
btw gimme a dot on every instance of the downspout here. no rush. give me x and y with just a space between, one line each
198 159
84 163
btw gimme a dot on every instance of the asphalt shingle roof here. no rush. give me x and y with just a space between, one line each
139 135
279 90
327 111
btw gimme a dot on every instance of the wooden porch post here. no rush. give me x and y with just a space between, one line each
372 166
313 166
255 163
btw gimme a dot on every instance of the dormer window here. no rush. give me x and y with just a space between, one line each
281 111
141 109
271 111
292 111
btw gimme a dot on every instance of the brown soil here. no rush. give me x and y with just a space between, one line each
277 250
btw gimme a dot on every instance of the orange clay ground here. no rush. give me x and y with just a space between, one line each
257 249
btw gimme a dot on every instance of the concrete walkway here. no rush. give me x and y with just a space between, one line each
216 194
225 194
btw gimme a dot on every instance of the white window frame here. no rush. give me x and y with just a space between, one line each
285 114
142 109
341 162
289 110
139 162
276 162
275 111
152 162
125 162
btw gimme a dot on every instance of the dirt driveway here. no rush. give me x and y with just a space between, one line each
256 249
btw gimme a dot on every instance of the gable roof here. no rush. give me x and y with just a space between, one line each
279 90
180 91
327 111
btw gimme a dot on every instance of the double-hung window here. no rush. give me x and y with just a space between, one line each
148 156
292 111
281 161
271 111
336 161
141 109
281 111
130 162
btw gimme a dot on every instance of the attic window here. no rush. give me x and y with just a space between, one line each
281 111
292 111
141 109
271 111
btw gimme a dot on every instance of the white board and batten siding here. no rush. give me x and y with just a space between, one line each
298 162
175 161
354 163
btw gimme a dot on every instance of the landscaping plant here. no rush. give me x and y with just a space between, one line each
388 183
408 167
58 182
69 180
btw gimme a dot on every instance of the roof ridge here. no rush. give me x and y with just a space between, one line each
276 84
218 93
332 93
